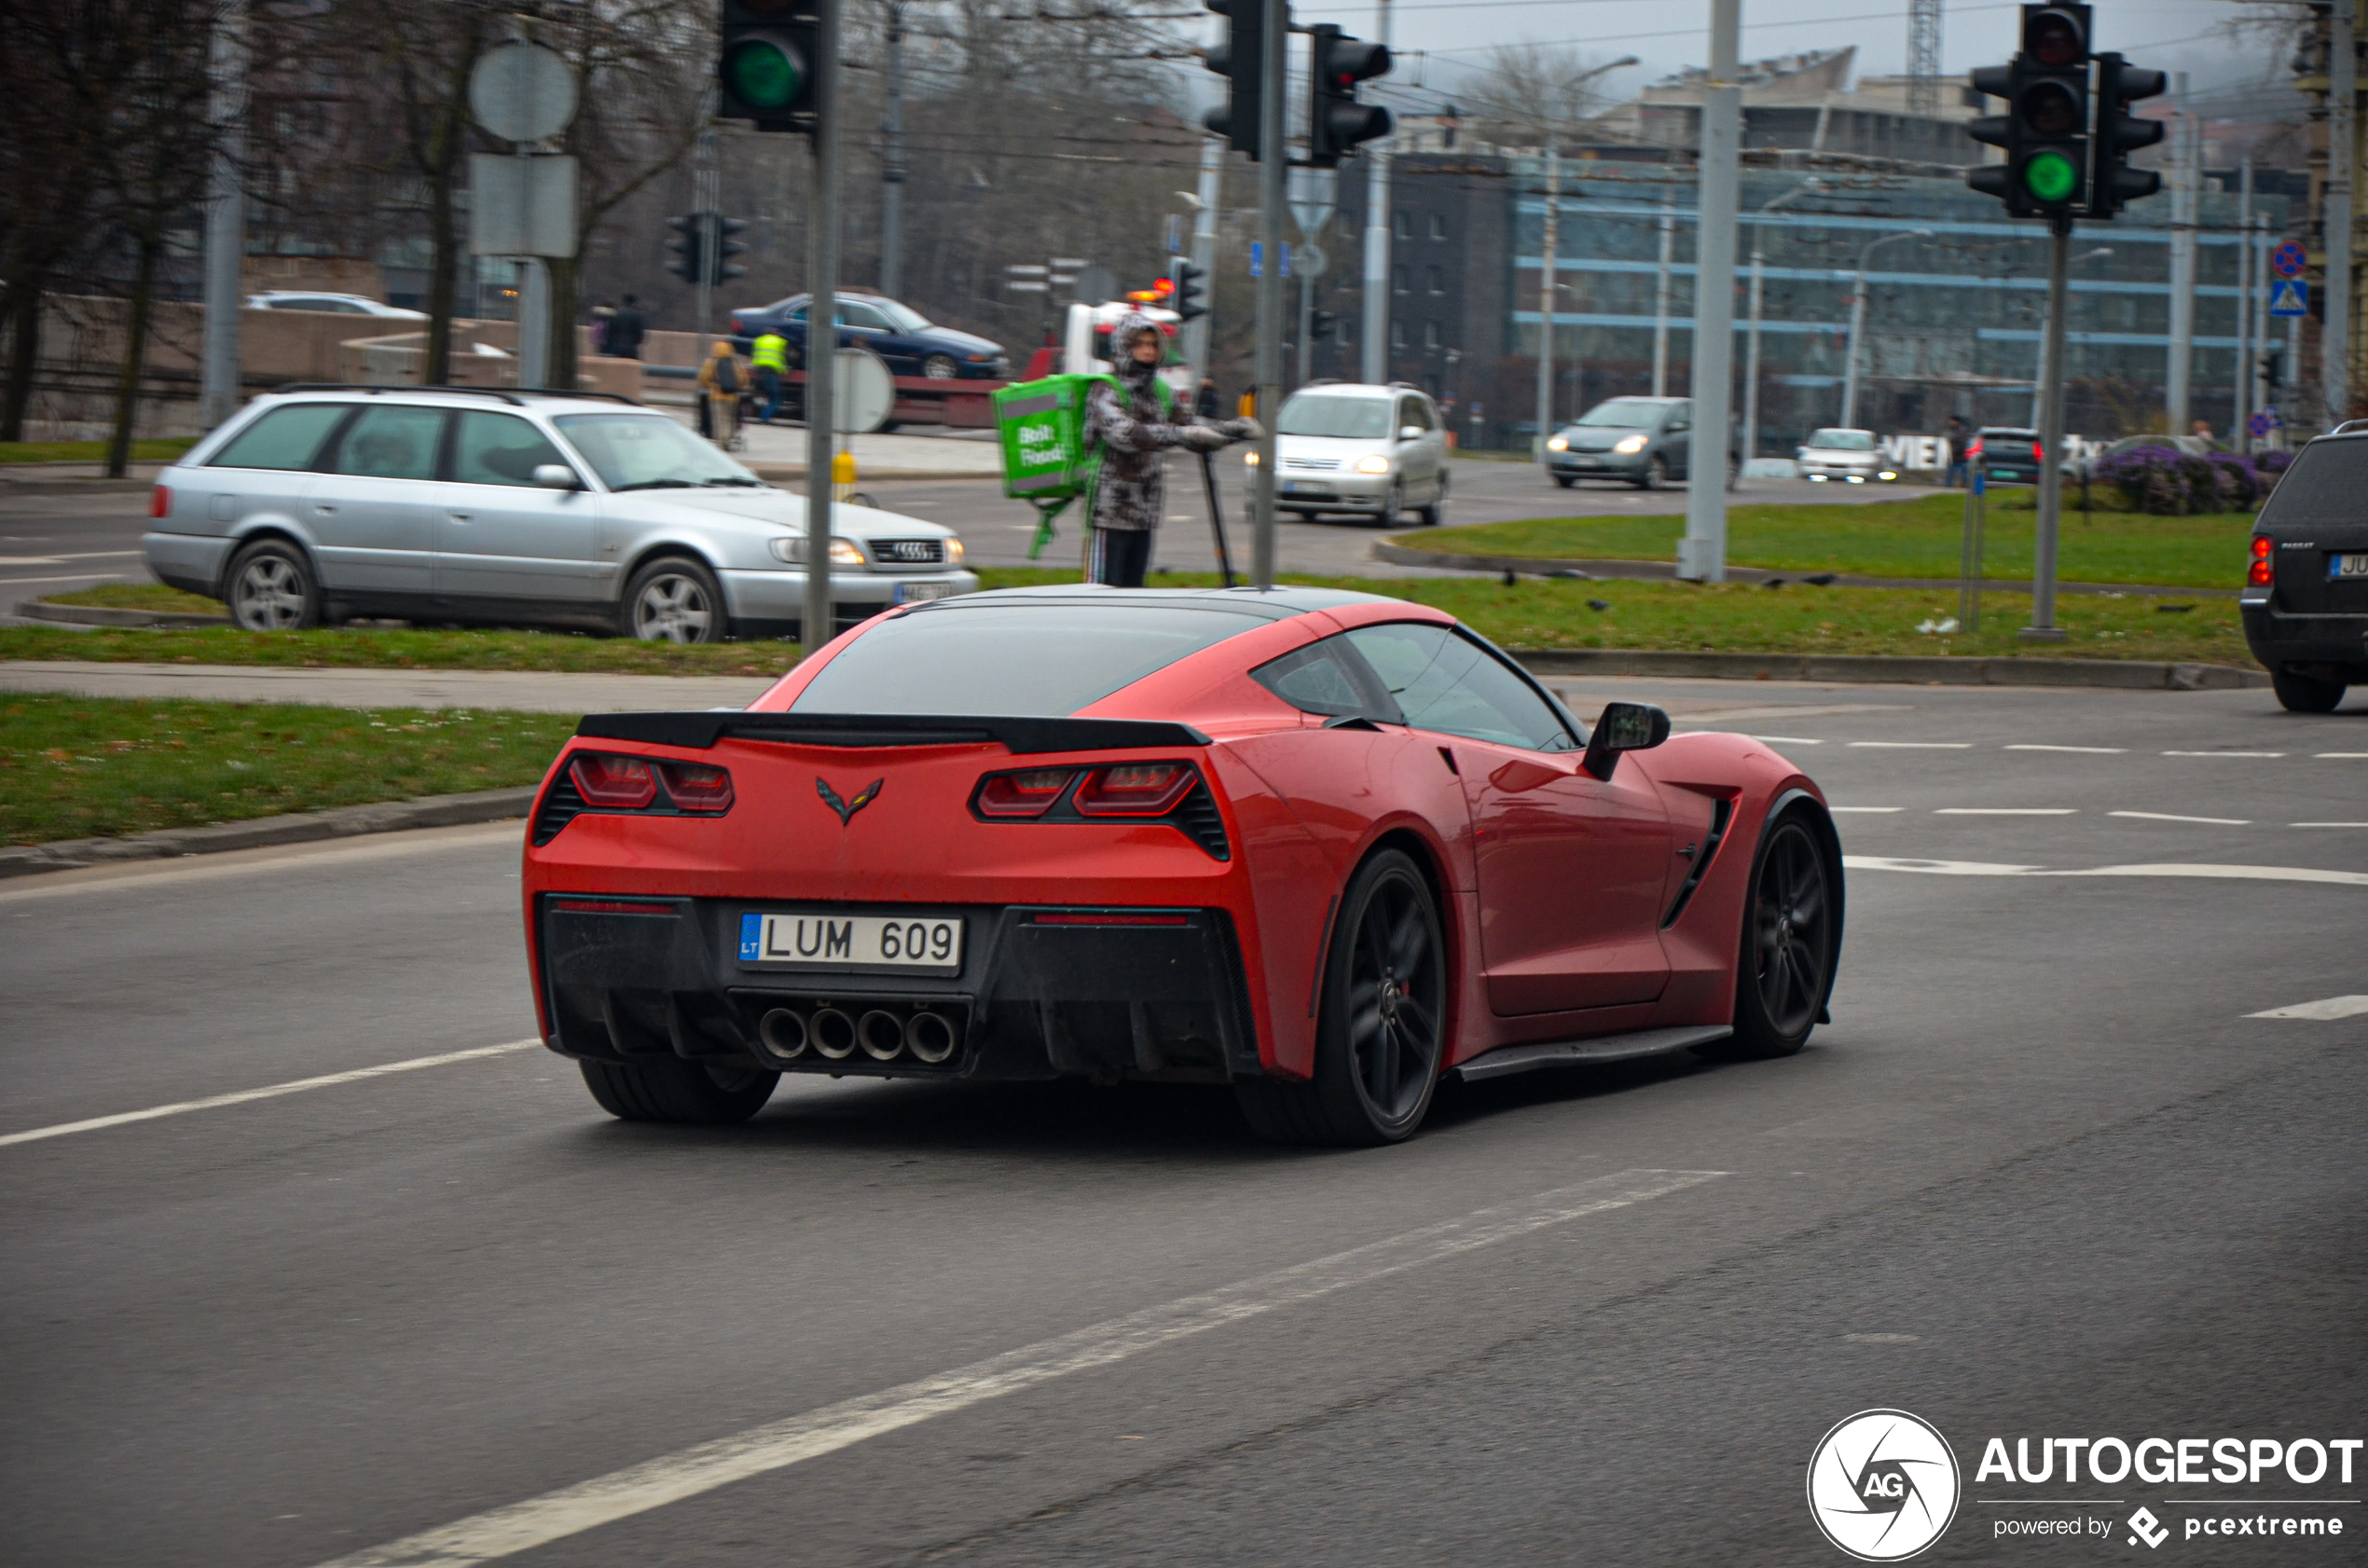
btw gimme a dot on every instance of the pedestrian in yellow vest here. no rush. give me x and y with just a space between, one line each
769 357
722 380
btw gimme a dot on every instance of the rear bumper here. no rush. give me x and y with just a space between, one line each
2330 646
1035 998
191 562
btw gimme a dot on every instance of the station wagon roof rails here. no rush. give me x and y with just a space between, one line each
603 396
2350 427
511 398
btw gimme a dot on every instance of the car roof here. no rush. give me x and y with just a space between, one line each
1273 604
1354 389
549 402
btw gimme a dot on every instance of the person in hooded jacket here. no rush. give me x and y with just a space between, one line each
1134 425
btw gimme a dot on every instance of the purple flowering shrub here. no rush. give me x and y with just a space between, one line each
2169 483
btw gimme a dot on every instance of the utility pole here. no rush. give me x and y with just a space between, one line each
1204 251
1751 359
1375 344
2240 389
1660 286
1858 320
2183 193
225 224
1274 165
892 160
706 184
2257 306
2343 146
1701 555
819 622
1545 292
2042 628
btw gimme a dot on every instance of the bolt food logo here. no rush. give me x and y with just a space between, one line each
846 809
1883 1485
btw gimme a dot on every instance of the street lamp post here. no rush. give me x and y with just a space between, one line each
1550 255
1810 186
1858 321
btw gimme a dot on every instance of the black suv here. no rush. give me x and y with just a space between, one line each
2306 602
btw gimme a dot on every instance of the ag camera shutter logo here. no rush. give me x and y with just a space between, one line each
1883 1485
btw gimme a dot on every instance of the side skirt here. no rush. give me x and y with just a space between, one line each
1511 1059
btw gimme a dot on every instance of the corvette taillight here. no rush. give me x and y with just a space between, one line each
2259 575
1135 789
1018 797
614 783
696 787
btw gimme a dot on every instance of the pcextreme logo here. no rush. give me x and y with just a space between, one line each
1883 1485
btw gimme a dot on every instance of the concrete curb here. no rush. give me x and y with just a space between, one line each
73 486
2111 674
384 816
102 615
1592 569
777 471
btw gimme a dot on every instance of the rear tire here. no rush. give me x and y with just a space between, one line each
270 587
2305 693
1791 936
679 1091
1564 480
1382 1031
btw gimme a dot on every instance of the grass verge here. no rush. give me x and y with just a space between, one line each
390 648
81 767
140 596
1918 538
91 451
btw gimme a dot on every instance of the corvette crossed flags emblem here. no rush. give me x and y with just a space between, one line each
846 809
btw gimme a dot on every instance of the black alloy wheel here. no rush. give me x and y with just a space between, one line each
2305 693
1790 939
1382 1031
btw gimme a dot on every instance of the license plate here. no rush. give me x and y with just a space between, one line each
817 938
2347 565
916 593
1586 462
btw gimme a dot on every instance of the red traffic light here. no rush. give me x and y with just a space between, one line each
2056 37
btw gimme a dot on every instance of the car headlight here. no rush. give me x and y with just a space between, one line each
1889 474
1558 445
1374 464
1250 457
1630 444
844 552
953 552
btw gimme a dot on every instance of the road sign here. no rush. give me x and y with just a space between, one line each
522 92
864 394
2290 296
1096 285
1258 260
521 206
1309 263
2261 424
2289 260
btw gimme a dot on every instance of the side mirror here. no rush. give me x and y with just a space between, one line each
1625 726
556 477
1409 432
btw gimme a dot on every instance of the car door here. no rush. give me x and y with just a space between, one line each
862 326
1571 868
372 513
265 472
1415 460
498 534
1677 440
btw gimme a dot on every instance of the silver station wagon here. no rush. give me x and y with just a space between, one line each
495 507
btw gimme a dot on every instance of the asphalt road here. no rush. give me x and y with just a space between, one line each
54 544
2043 1176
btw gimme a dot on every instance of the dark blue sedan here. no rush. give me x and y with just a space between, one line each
902 336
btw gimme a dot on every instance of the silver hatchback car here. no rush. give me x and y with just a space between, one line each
1356 448
320 504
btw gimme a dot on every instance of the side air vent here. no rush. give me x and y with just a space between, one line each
1722 813
1196 815
560 807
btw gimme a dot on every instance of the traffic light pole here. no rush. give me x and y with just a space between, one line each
705 185
1701 555
1274 165
821 328
1196 331
2042 628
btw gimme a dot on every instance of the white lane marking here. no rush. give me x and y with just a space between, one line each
2355 756
1784 740
671 1478
1913 745
2091 751
276 857
1866 810
2324 1011
272 1091
2170 817
1988 868
2223 753
2327 824
60 560
2007 811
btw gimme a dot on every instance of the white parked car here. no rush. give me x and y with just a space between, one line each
500 507
1371 451
1851 457
336 304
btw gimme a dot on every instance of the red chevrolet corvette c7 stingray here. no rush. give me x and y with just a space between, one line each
1327 848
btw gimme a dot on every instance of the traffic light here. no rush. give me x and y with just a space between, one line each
2119 133
1319 325
1240 60
2045 131
766 66
687 248
1336 121
727 248
1190 301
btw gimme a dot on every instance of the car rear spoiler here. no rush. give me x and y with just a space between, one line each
700 731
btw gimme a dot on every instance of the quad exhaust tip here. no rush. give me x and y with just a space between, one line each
930 1036
882 1034
832 1033
784 1033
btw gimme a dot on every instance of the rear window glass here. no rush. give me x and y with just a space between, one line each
2327 484
285 438
1012 660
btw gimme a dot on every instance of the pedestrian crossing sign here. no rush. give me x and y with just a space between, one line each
2289 297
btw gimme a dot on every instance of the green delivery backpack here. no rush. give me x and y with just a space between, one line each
1046 461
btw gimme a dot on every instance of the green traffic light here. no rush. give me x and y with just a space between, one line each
2049 176
763 74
